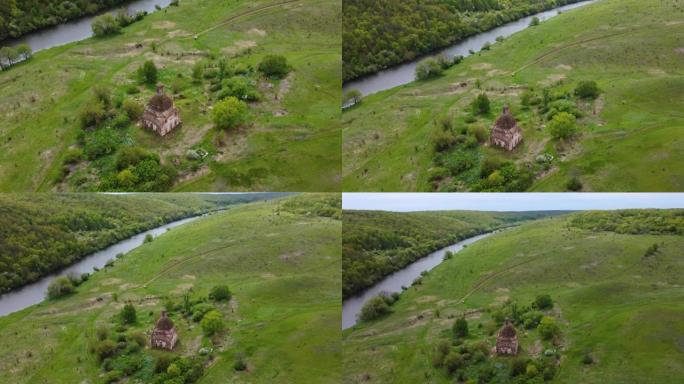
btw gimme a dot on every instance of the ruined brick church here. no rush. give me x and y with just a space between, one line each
506 133
507 340
161 115
164 334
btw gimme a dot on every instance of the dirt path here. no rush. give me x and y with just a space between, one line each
246 13
556 50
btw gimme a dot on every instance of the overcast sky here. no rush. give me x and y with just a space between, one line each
403 202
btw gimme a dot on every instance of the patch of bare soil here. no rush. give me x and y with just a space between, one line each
564 67
291 257
481 66
256 32
179 33
426 299
680 50
202 171
552 79
166 24
180 288
239 46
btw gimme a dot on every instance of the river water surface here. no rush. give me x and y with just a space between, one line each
78 29
406 73
351 307
34 293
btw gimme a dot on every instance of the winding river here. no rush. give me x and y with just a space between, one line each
34 293
405 73
404 277
78 29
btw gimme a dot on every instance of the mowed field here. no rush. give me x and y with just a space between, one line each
629 138
611 301
283 269
291 141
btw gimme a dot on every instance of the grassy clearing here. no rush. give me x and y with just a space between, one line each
284 315
623 308
635 61
292 139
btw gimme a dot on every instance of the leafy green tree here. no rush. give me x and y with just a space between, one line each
229 113
374 308
105 25
548 329
429 68
352 97
220 293
535 21
587 90
25 52
453 361
460 327
274 66
59 287
148 73
563 126
481 104
212 323
133 109
543 302
128 314
574 184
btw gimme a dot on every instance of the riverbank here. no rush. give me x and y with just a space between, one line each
405 73
421 28
74 25
401 280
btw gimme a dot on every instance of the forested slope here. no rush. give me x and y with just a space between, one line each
40 233
380 34
377 243
20 17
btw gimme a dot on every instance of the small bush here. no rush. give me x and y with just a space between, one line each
149 238
428 68
587 359
133 109
60 287
104 349
481 104
220 293
548 328
212 323
128 314
229 113
453 361
563 126
112 377
374 308
274 66
105 25
535 21
587 90
574 184
239 364
147 73
543 302
73 156
460 328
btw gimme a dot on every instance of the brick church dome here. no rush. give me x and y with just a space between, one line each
506 120
508 330
164 323
160 103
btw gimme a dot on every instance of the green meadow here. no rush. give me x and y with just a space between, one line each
283 321
613 301
290 142
628 138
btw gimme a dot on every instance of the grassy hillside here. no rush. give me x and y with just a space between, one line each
290 141
283 271
389 138
42 233
615 301
377 243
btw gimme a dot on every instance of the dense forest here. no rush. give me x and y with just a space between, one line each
41 233
378 34
375 244
632 221
18 17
